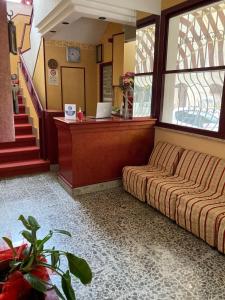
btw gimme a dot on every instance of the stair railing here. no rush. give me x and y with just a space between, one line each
37 106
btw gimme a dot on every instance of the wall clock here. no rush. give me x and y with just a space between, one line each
73 54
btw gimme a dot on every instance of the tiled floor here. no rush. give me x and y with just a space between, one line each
135 252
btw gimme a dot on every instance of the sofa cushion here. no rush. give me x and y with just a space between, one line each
221 231
165 156
162 163
195 166
162 193
134 179
191 176
200 214
216 180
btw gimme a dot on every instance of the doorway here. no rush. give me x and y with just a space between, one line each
73 87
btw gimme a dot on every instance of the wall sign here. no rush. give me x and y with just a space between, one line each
53 77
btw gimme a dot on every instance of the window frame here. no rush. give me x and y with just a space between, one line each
152 20
162 72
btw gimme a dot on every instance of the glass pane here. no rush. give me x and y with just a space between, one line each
142 96
107 88
197 38
193 99
145 49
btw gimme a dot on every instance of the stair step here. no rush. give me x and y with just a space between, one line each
18 154
22 109
21 118
21 141
22 129
20 99
23 168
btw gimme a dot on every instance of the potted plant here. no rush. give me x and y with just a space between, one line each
24 270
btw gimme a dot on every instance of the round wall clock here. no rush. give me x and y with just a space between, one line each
52 64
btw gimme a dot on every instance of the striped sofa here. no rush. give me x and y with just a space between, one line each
190 176
202 213
192 194
162 163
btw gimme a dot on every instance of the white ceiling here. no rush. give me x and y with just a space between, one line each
19 8
83 30
76 11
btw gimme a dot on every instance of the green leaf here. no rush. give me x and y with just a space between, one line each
54 258
63 232
10 244
27 235
67 287
41 243
33 223
58 292
35 282
79 268
14 265
25 222
28 266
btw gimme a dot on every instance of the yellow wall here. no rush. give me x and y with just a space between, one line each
29 105
129 56
190 141
169 3
26 42
118 58
141 15
19 22
39 76
57 50
111 29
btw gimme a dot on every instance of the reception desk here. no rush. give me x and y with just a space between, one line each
93 152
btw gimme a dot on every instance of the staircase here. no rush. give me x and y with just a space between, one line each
21 156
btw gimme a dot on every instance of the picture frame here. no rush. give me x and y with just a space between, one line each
73 54
99 53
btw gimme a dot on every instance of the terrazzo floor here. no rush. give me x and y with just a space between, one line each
134 251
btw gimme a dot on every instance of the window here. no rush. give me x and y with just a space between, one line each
195 70
144 69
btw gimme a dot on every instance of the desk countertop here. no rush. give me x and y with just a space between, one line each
89 120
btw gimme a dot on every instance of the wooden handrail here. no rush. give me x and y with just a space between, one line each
37 105
34 96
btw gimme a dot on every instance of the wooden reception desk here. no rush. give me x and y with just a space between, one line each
95 151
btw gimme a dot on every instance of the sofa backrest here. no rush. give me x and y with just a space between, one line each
165 156
216 180
195 166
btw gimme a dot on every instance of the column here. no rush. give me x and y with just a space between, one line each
7 131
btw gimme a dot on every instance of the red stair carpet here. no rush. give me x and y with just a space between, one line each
22 156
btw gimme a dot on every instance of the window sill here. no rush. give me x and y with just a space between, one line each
191 134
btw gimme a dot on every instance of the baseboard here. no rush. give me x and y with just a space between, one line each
89 188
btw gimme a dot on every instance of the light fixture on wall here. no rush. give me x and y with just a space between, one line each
53 31
65 23
102 18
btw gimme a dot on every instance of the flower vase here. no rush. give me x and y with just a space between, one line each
126 108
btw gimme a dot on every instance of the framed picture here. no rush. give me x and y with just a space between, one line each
73 54
99 53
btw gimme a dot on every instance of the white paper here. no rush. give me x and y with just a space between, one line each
53 77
